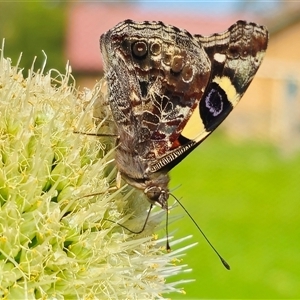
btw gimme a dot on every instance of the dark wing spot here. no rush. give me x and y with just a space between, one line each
139 49
234 51
214 103
214 106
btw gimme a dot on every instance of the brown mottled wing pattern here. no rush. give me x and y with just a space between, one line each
157 74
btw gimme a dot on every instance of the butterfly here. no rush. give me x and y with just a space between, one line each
169 90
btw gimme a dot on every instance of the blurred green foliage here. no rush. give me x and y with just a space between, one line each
246 198
30 27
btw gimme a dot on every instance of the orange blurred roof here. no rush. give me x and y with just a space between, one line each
87 21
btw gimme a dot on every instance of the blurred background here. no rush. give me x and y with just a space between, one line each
242 185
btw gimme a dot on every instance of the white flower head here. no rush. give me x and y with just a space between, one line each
57 195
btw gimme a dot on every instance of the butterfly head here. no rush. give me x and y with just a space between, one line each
157 196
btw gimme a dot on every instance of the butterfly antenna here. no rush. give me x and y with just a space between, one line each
132 231
167 229
225 264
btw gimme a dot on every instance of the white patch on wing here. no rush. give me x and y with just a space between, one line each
219 57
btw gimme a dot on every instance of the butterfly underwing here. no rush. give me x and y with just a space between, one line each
169 89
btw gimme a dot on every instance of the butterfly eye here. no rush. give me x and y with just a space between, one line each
156 195
153 193
139 49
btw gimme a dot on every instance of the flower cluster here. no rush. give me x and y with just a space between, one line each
57 196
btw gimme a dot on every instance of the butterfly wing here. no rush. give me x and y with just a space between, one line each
157 76
169 90
235 56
